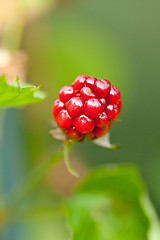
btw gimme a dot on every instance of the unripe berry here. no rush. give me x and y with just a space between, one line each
102 120
90 135
102 87
93 108
57 107
112 111
63 119
79 82
99 132
66 93
74 106
114 95
86 93
83 124
72 133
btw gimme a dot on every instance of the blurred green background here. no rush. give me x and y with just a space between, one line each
116 40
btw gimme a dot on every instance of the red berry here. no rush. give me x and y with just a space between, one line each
86 93
99 132
103 101
72 133
110 124
90 82
75 106
83 124
93 108
102 120
102 88
119 103
57 107
114 95
79 82
90 135
87 108
112 111
63 119
66 93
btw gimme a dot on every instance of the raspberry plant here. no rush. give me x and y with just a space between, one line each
108 199
111 201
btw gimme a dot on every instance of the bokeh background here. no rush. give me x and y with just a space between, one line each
116 40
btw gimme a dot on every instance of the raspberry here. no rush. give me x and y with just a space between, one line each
83 124
63 119
102 87
101 120
119 103
72 133
75 106
90 82
100 131
66 93
86 93
87 108
80 82
114 95
104 102
93 108
57 107
90 135
112 111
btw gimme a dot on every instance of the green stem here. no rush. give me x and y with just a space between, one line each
67 147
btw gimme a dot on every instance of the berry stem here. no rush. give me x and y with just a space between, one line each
67 147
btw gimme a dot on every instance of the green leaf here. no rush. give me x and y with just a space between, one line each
15 95
108 205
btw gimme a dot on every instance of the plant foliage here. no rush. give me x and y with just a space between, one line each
12 95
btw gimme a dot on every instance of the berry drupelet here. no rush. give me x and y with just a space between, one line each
87 108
